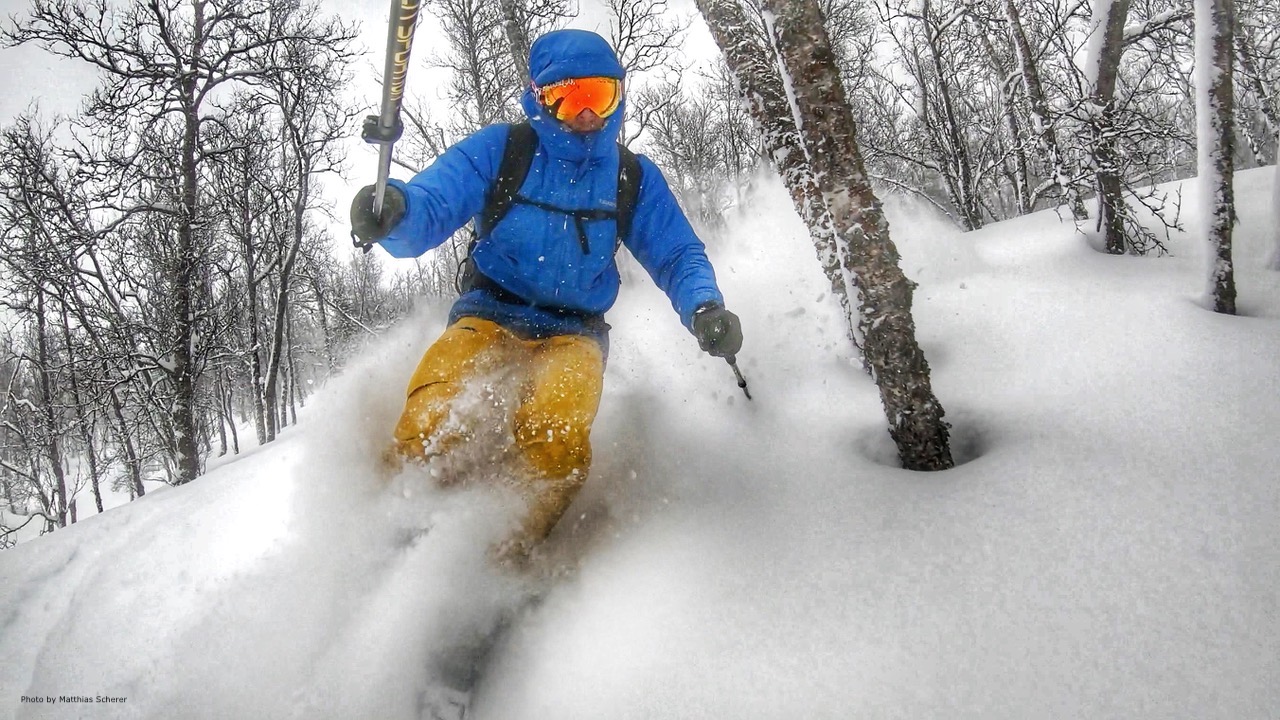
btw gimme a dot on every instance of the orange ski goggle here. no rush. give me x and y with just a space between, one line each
566 98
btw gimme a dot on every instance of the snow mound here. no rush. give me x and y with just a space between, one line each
1109 550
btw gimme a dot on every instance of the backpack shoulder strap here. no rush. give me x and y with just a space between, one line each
629 177
517 156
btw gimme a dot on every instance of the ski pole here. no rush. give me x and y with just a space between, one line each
742 382
385 128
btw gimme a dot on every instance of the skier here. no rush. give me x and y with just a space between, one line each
542 270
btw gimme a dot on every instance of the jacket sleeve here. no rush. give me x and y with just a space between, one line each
664 242
449 192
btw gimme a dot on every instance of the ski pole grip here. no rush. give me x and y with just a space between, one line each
374 132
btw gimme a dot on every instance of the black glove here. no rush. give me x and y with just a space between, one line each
369 227
718 331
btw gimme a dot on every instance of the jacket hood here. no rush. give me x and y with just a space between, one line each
564 54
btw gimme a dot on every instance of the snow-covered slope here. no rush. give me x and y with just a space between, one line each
1109 548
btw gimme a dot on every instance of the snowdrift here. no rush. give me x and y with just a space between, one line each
1108 548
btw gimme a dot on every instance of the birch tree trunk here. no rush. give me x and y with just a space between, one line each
322 313
1038 108
766 100
52 445
84 420
828 132
283 292
183 276
952 151
1275 213
248 244
1000 73
222 417
518 39
1108 23
1247 54
1214 21
132 462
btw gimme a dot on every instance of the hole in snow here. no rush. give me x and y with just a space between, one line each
968 442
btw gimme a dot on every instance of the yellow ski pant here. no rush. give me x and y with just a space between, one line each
564 376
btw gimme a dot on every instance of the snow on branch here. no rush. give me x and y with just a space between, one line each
1154 24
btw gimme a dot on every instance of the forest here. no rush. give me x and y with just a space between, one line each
176 284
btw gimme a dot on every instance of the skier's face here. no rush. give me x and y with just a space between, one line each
585 122
582 104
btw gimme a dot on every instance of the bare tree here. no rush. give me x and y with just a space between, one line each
517 37
929 58
644 34
162 64
1275 215
830 138
152 294
29 491
1002 76
1257 46
484 83
749 54
49 192
1042 119
312 71
1122 127
81 406
742 148
30 250
693 142
1214 95
485 79
244 184
1106 46
862 244
1274 263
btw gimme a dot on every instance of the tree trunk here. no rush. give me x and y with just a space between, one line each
862 232
1109 20
1246 54
295 394
1000 72
1275 213
276 354
53 449
956 152
1038 108
1214 20
132 461
252 283
229 409
83 420
766 101
322 310
517 38
186 441
1244 126
223 418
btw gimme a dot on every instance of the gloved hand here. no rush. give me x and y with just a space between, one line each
718 331
372 228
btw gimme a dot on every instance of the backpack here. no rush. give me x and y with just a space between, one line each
517 157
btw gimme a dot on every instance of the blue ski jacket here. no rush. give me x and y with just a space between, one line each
554 276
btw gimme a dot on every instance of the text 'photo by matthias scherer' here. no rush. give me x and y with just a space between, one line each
79 699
